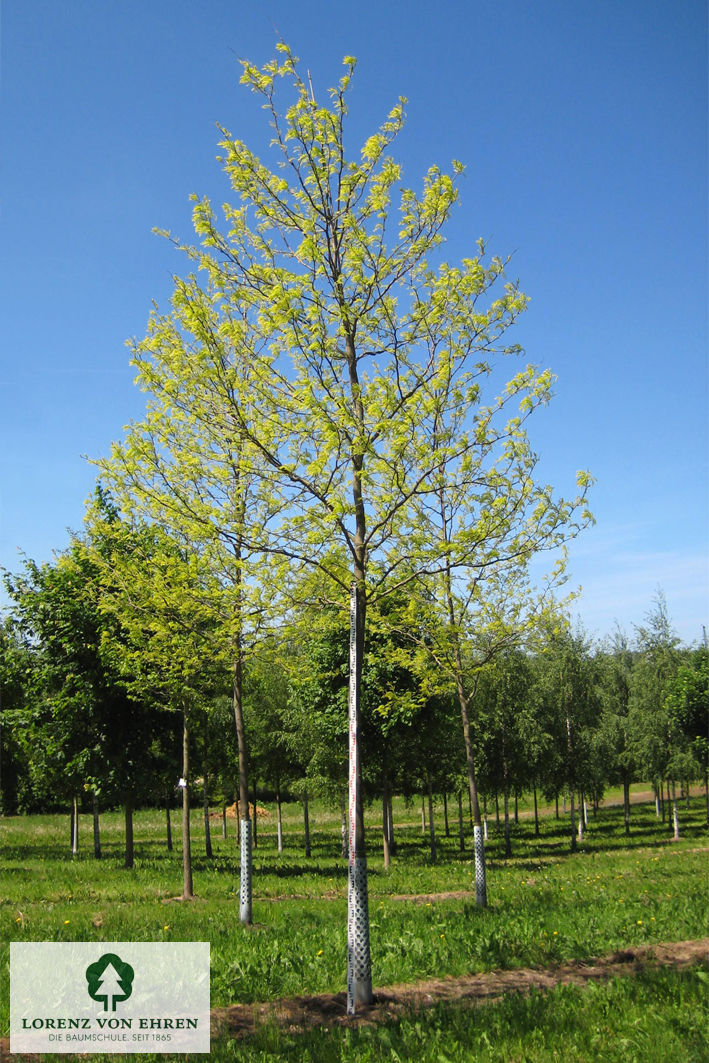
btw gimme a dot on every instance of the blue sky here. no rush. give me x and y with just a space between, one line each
583 127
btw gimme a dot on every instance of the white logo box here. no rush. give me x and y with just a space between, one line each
109 996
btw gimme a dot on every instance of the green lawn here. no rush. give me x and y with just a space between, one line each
546 906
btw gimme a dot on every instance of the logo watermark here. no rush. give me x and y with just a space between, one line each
109 997
110 980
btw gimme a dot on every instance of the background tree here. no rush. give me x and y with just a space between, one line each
687 706
163 639
616 669
507 726
655 667
83 728
17 662
270 724
568 685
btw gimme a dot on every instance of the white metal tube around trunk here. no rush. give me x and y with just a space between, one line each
480 873
246 870
359 968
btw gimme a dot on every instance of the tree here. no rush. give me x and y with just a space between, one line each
508 726
568 685
320 337
189 468
17 664
162 638
267 693
656 665
616 668
687 706
81 727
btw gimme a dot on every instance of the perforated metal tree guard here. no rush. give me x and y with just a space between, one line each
359 970
245 889
480 875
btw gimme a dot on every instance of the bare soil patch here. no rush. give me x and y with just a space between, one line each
297 1014
234 811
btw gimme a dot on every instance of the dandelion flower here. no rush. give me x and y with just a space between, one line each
319 952
66 922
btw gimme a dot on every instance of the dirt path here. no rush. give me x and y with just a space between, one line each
297 1014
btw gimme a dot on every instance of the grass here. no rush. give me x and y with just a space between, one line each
546 906
657 1016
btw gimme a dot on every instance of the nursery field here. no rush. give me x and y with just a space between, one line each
549 910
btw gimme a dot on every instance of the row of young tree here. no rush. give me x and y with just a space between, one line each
333 422
95 712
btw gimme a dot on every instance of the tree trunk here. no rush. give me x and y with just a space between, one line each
423 814
74 825
657 801
626 805
431 825
97 827
168 824
570 778
390 810
279 820
187 892
306 823
581 818
478 837
205 809
461 832
556 801
573 822
506 806
359 962
385 829
497 812
446 829
675 816
254 827
128 808
536 813
516 808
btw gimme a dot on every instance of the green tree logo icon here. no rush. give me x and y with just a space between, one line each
110 980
